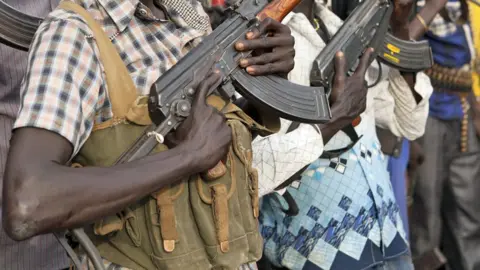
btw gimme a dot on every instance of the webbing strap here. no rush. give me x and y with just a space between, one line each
121 89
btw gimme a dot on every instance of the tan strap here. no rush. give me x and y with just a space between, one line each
108 225
121 89
216 172
220 212
253 173
254 193
233 186
167 219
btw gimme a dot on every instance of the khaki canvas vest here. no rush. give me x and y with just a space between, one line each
193 224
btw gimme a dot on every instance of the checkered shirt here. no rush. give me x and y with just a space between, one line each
65 90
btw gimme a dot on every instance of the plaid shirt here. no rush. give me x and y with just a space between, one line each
65 89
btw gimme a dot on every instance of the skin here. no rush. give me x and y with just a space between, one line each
348 98
41 194
349 95
428 12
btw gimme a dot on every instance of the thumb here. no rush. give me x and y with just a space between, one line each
340 76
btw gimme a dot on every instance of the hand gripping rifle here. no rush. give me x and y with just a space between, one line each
17 30
170 105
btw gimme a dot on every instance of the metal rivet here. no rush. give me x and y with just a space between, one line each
169 123
184 108
142 12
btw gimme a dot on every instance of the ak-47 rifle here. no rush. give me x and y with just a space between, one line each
408 56
171 96
17 30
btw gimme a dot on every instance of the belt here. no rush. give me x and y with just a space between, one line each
450 79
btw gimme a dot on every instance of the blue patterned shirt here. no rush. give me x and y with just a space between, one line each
348 215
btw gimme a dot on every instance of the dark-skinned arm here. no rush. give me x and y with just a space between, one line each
427 13
403 29
41 194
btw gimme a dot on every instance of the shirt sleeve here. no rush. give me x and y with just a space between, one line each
396 108
279 156
61 88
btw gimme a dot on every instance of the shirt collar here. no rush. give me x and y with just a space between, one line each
120 11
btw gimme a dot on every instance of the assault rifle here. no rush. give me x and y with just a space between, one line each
171 96
17 30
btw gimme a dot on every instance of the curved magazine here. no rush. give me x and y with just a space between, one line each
407 56
291 101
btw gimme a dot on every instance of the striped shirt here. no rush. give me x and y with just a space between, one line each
41 252
65 90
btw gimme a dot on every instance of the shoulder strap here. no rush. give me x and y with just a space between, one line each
121 90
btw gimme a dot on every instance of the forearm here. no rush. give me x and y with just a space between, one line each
43 196
337 123
427 13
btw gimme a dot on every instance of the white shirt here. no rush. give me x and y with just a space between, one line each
390 105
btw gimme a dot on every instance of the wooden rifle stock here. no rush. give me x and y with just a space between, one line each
276 10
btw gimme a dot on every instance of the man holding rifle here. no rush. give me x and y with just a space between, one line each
446 212
160 211
347 215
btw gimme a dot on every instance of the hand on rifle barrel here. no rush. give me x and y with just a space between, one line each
273 53
204 131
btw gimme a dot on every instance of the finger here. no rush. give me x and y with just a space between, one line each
340 70
271 68
265 43
204 87
266 58
364 62
265 26
268 25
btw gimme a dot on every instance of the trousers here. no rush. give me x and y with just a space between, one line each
446 212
